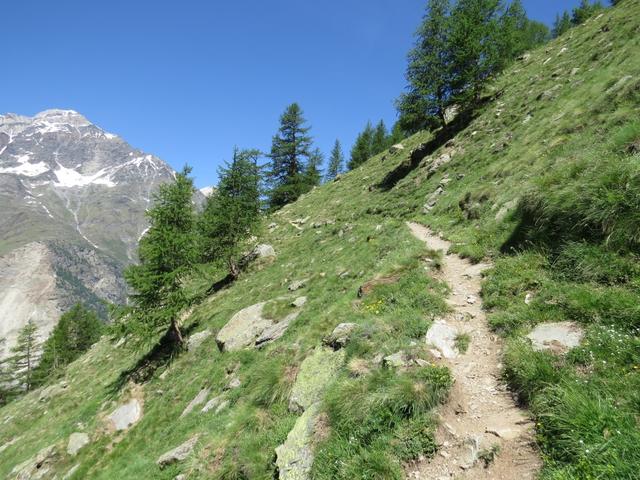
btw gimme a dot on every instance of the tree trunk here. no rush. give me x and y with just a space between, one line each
175 333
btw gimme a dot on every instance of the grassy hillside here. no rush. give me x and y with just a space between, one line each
544 181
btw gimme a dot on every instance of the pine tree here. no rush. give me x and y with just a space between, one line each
380 139
25 356
428 72
167 253
336 162
561 24
312 172
290 149
231 215
76 331
361 150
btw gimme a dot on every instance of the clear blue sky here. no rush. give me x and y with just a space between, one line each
187 80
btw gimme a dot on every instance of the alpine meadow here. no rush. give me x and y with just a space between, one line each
454 295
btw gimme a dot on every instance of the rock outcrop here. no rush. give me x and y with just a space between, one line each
316 372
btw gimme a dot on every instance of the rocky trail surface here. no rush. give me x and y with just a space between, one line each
482 434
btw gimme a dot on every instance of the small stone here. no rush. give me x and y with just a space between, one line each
199 399
297 285
396 360
233 384
528 298
471 299
77 440
299 302
340 335
398 147
126 415
222 406
179 453
212 404
197 339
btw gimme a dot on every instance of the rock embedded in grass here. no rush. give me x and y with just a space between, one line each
396 360
199 399
340 335
197 339
37 467
557 337
77 440
316 373
126 415
299 302
442 337
178 454
297 285
294 458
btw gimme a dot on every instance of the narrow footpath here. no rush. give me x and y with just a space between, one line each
482 433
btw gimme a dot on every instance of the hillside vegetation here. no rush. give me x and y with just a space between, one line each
544 181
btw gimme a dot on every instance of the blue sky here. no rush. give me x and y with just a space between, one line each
189 80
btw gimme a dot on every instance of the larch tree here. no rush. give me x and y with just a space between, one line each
25 356
167 252
336 161
428 72
361 150
290 151
76 331
231 215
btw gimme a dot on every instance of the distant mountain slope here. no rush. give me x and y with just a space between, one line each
73 200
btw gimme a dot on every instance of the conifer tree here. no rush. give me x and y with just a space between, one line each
231 215
517 34
312 171
428 72
25 355
561 24
380 139
585 10
6 379
290 150
473 48
167 253
336 161
361 150
76 331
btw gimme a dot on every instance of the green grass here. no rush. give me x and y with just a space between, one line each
569 240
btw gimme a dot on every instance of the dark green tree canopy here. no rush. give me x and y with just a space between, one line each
336 161
290 152
231 214
167 252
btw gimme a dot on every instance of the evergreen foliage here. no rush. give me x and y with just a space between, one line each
167 252
458 48
231 215
561 24
585 10
312 171
25 355
290 151
336 161
361 150
372 141
76 331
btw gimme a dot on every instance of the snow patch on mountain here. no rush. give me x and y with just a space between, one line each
68 178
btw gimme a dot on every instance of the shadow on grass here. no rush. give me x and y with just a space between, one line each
161 355
441 137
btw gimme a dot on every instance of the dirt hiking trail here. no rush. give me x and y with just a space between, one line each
482 434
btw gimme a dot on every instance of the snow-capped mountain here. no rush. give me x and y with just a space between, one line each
73 199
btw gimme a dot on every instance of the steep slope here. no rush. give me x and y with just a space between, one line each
543 181
73 199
